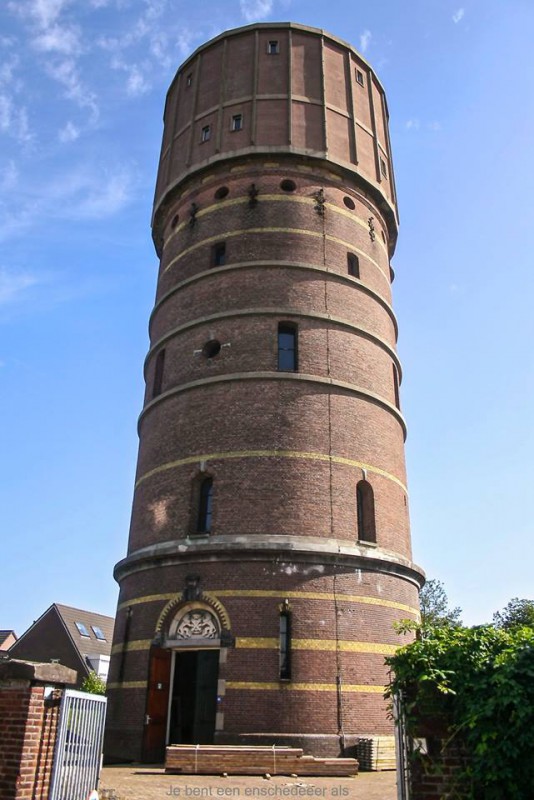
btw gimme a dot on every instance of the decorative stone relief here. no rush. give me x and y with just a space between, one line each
197 624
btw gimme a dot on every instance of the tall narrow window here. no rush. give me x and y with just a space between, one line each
273 47
353 265
158 373
396 385
205 134
383 168
285 642
287 347
359 77
218 254
365 507
205 501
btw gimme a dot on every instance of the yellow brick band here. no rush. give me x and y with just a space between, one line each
264 643
280 595
272 198
270 454
318 644
136 644
128 685
303 687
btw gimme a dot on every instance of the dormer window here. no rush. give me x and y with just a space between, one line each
98 632
82 630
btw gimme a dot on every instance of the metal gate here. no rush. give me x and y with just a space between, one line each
79 740
403 769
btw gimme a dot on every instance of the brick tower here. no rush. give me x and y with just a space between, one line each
269 551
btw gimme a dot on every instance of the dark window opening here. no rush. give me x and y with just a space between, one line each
288 185
189 80
396 386
365 506
211 348
353 265
175 221
287 347
218 255
359 77
383 168
237 122
158 373
285 645
273 47
349 202
205 503
221 192
205 134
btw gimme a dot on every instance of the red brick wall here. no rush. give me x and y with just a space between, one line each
28 725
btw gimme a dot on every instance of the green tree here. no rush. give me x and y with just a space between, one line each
434 605
93 684
518 612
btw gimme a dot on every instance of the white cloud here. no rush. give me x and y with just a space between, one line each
365 40
69 133
9 176
412 124
253 10
7 70
66 73
137 83
434 125
13 285
57 39
458 15
14 120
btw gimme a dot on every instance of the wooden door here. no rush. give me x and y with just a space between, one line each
157 705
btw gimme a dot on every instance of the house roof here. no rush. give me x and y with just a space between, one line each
91 624
5 635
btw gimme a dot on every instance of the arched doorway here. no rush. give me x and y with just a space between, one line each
181 702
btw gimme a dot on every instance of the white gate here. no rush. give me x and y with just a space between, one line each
79 741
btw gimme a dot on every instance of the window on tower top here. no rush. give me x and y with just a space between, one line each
237 122
205 134
353 265
359 77
218 254
273 47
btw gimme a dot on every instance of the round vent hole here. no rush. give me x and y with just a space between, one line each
221 192
349 202
211 348
288 186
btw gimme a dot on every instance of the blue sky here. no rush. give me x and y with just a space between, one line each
82 89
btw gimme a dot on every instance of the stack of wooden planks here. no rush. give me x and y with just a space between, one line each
376 753
203 759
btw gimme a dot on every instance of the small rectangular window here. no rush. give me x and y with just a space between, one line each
158 373
218 258
206 134
237 122
287 347
98 633
396 386
383 168
189 80
273 47
285 645
359 77
353 265
82 630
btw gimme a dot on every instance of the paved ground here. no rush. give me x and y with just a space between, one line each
151 783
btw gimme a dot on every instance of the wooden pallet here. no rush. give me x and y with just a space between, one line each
190 759
376 753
